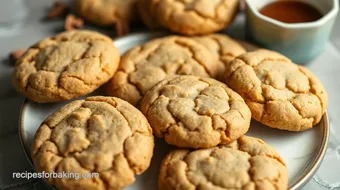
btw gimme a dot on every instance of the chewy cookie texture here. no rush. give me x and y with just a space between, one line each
223 48
65 66
174 82
99 134
195 112
194 17
144 66
279 93
247 163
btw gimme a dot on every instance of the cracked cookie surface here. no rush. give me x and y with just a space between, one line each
279 93
107 12
66 66
195 112
246 163
194 17
145 65
224 48
99 134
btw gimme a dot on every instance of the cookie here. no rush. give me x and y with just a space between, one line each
195 112
223 48
107 12
248 163
149 19
66 66
279 93
145 65
194 17
103 135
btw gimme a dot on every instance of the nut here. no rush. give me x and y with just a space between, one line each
73 23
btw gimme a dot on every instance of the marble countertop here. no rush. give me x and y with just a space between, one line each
12 159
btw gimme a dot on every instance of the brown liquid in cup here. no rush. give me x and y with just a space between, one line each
291 11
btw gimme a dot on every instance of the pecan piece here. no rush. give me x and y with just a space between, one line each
73 23
59 9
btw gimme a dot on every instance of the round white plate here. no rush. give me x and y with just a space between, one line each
302 152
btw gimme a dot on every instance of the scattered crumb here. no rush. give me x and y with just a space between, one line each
59 9
73 23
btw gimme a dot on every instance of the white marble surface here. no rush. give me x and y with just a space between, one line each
12 159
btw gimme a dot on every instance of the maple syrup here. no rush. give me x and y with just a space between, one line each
291 11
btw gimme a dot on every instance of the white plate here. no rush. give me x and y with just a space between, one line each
302 152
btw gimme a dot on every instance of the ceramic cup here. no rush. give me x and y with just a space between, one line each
301 42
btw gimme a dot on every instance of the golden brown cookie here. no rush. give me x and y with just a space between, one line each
223 48
279 93
107 12
145 65
65 66
247 163
103 135
195 17
195 112
149 19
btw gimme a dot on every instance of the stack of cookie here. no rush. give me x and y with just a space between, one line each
198 94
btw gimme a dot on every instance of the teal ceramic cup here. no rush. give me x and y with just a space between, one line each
301 42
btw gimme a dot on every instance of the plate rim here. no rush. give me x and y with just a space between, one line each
303 178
